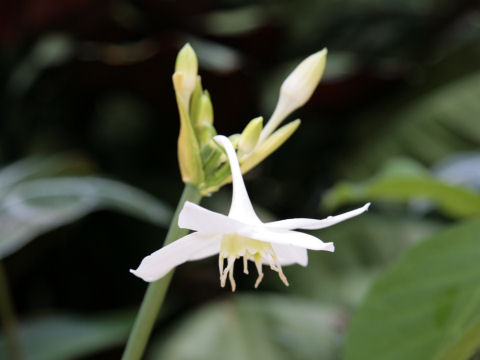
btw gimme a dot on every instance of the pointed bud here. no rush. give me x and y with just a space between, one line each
297 89
202 119
234 139
187 65
220 174
188 149
271 144
249 137
205 110
195 101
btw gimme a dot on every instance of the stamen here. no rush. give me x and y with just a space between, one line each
245 263
234 246
232 280
228 270
220 264
278 268
258 264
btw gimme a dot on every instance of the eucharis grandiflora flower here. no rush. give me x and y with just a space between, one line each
240 234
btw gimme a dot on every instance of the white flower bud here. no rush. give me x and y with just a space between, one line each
297 89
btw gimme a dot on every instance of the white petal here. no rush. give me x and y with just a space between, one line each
314 224
289 254
241 208
286 237
195 217
159 263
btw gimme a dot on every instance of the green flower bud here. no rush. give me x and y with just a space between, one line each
235 138
271 144
202 119
249 137
195 101
187 65
189 158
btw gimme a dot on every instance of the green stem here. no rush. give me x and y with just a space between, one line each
9 320
153 299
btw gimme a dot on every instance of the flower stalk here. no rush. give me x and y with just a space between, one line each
153 299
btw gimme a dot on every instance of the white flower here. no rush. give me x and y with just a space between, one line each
240 234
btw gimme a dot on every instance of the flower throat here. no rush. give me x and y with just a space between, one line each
234 246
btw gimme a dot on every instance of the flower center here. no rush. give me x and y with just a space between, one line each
234 246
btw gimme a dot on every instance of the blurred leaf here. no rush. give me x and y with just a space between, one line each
428 128
37 206
255 327
364 246
35 167
50 50
67 336
234 21
216 57
463 169
403 180
427 306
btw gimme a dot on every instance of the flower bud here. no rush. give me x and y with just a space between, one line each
249 137
195 100
297 89
187 65
202 119
271 144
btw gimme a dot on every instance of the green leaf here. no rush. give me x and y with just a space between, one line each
37 206
404 180
35 167
429 127
364 246
67 336
427 306
255 327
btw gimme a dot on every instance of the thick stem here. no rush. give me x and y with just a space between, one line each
9 320
153 299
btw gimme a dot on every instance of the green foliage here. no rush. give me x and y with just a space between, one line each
255 327
428 128
427 306
33 202
67 336
404 180
364 247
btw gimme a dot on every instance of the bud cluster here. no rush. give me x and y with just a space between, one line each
202 161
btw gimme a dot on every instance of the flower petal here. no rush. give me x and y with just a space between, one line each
241 208
289 254
159 263
195 217
286 237
314 224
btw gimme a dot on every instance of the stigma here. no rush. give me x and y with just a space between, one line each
234 246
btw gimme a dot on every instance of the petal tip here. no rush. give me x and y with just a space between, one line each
134 272
329 247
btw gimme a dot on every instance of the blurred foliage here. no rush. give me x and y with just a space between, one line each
73 335
403 180
255 327
32 203
402 82
430 127
427 306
